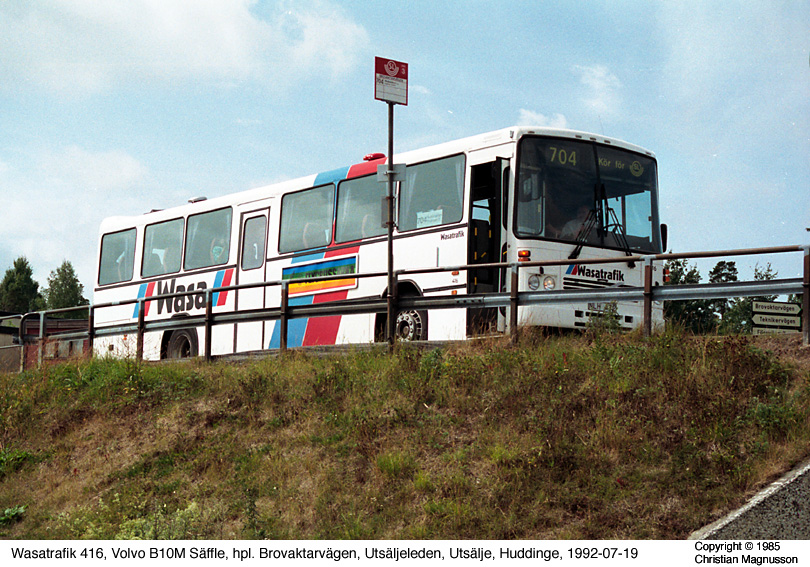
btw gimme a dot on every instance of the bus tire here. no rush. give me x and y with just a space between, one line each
411 326
182 344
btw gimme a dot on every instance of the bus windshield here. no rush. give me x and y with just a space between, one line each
586 194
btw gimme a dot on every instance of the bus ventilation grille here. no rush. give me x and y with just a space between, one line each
579 283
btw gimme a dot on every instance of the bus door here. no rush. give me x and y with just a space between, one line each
252 255
486 181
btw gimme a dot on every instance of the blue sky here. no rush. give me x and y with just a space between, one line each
119 107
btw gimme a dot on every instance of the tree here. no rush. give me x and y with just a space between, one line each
19 293
64 289
696 315
723 272
740 316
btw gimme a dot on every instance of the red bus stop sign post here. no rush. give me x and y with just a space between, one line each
391 87
391 81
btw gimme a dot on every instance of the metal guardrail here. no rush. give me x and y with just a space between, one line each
512 300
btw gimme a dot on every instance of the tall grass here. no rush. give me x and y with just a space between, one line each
594 436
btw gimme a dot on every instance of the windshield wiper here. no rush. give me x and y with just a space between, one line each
614 227
584 231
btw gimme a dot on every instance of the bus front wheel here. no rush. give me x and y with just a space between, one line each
182 344
411 326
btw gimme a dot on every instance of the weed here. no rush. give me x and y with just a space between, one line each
252 527
606 321
422 482
13 514
396 465
12 460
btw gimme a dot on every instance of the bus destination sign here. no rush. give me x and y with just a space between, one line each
391 81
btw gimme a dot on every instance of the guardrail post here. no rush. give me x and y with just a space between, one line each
40 354
91 321
393 311
806 298
513 302
141 330
21 334
22 346
283 322
648 299
209 323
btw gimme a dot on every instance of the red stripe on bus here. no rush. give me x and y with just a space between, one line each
150 291
324 330
226 281
365 168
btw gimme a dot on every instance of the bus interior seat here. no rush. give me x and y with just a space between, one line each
152 265
315 235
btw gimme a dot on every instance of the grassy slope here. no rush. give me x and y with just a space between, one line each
584 437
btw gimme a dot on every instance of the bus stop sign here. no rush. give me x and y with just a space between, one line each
391 81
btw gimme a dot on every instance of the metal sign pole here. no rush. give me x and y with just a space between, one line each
806 298
391 87
390 331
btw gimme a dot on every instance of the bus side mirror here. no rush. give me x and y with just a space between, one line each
664 236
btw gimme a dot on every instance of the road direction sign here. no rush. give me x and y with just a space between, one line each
776 317
778 320
773 331
390 81
776 308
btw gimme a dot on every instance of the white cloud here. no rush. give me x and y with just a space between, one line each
736 64
602 90
324 42
62 198
531 118
78 168
85 46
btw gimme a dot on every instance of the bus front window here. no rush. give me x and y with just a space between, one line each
584 193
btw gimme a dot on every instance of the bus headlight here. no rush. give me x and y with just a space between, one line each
537 280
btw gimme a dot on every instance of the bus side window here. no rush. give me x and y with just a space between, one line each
432 194
253 242
117 260
162 245
358 209
306 219
208 239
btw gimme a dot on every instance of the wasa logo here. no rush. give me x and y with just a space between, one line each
331 267
194 297
600 274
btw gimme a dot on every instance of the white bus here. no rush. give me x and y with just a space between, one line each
515 194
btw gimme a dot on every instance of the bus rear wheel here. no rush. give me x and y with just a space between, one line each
182 344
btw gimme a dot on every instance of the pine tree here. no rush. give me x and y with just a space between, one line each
740 316
696 315
723 272
19 293
64 289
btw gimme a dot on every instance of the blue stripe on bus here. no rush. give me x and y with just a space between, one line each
217 283
141 294
331 176
296 328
